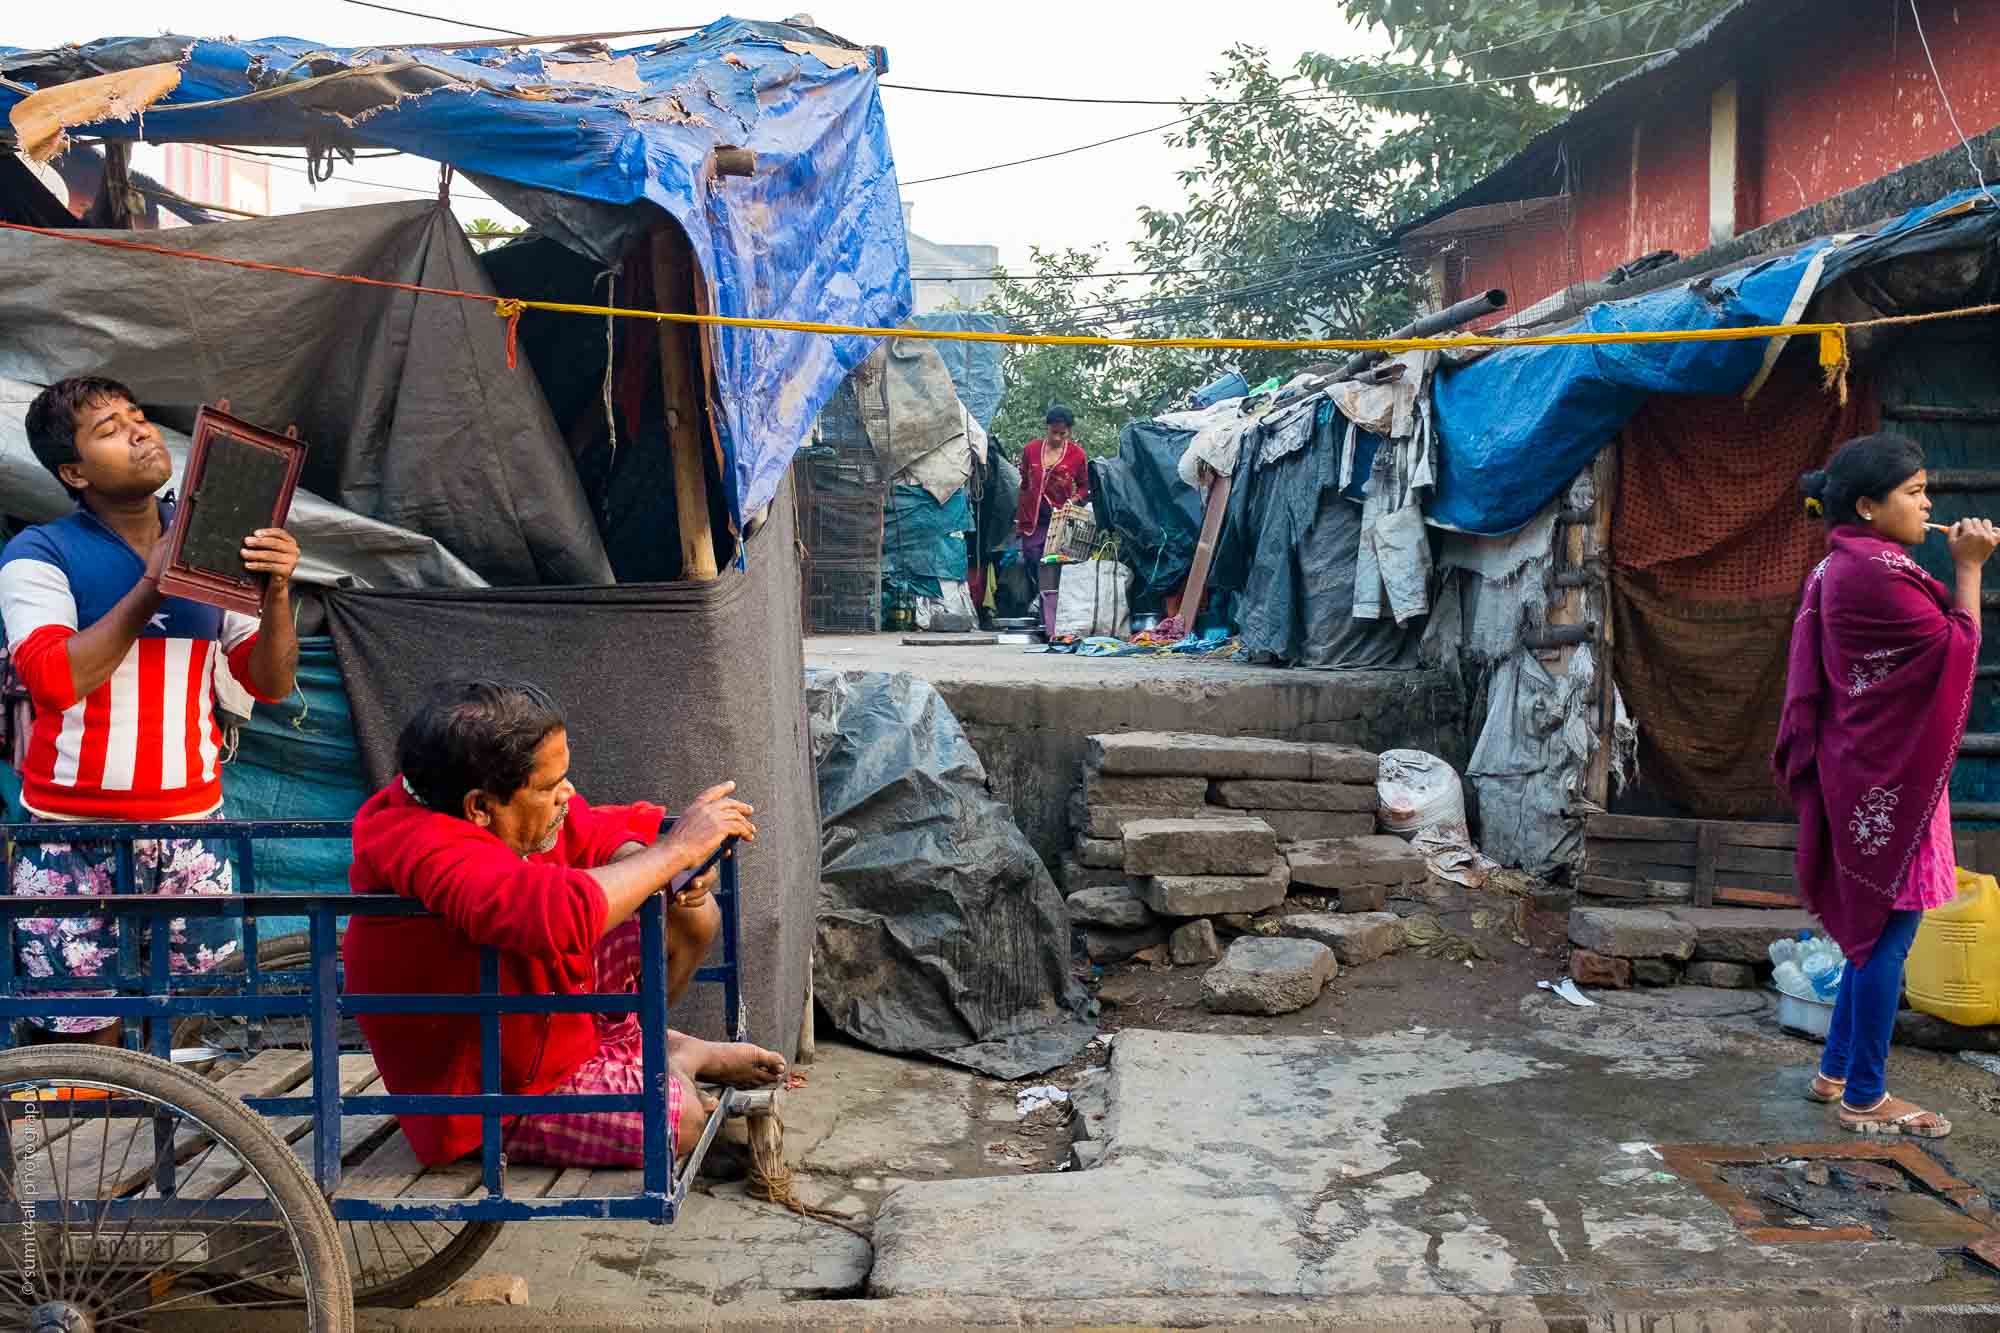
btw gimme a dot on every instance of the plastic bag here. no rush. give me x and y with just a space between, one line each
1418 796
1091 600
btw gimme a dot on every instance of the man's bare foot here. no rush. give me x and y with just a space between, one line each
736 1064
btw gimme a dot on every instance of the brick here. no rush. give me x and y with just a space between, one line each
1194 943
1116 906
1366 898
1107 822
1100 853
1265 976
1344 763
1625 932
1267 794
1354 939
1312 825
1594 969
1076 878
1740 934
1727 976
1210 895
1655 972
1182 754
1101 945
1159 793
1343 863
1222 846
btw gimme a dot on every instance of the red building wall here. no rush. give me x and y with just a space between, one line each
1839 100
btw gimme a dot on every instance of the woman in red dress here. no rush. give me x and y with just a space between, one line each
1054 472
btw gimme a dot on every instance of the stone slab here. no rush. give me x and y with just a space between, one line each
1362 898
1724 976
1354 939
1116 906
1159 793
1313 825
1077 877
1343 863
1099 853
1269 794
1103 945
1230 845
1594 969
1107 822
1626 932
1183 754
1210 895
1322 1171
1194 943
1268 976
1655 972
1344 763
1740 934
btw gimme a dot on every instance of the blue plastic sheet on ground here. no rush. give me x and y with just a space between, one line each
922 538
975 367
816 234
1517 425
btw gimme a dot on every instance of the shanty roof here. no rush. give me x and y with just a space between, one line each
1702 59
814 235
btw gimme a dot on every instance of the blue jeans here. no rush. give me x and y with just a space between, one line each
1864 1016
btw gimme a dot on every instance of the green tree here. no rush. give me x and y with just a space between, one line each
1095 383
1504 38
485 233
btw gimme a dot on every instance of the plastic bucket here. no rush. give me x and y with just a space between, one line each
1808 1018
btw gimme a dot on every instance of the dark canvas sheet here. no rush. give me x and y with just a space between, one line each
668 688
940 930
411 413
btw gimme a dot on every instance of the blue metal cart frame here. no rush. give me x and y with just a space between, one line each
151 991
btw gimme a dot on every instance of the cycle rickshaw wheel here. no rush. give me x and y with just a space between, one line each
85 1126
394 1264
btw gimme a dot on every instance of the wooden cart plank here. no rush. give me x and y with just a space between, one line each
224 1177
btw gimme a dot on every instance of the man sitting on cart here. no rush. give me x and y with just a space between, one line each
483 827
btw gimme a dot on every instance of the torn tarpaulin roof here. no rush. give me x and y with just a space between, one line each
815 235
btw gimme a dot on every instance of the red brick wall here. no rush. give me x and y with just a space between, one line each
1842 99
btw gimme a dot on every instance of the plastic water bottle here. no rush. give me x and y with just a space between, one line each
1784 951
1789 979
1822 971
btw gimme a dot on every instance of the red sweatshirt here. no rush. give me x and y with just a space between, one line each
542 912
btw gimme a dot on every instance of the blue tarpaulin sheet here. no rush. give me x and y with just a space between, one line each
976 368
1517 425
816 234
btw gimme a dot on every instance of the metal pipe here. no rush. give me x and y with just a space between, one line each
1443 321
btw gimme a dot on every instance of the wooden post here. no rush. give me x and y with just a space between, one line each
126 205
1204 551
683 390
1604 476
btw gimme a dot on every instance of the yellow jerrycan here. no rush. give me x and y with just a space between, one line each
1954 967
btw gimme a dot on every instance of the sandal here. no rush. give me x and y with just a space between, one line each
1825 1090
1868 1121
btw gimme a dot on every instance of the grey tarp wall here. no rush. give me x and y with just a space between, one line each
940 930
669 688
412 413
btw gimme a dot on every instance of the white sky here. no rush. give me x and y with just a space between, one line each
1105 48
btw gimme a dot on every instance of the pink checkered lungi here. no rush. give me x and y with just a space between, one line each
600 1138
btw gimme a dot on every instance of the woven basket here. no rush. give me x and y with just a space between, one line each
1072 532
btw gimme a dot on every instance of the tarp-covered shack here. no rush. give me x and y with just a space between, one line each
467 480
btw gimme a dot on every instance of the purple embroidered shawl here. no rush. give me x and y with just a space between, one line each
1877 692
